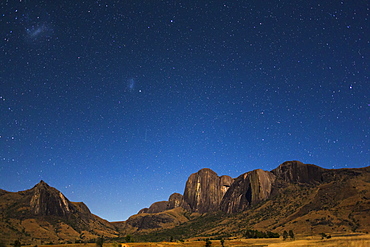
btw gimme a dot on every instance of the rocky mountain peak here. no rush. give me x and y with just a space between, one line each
42 184
47 200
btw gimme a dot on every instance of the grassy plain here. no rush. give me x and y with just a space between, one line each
358 240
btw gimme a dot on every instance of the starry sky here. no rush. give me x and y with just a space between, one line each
115 103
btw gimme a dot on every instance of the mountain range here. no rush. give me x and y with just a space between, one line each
303 197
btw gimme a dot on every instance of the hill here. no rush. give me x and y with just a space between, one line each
44 215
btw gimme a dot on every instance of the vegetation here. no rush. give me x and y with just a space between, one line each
285 235
99 242
258 234
186 230
208 243
323 236
128 238
17 243
291 234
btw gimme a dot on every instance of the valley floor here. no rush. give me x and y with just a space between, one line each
358 240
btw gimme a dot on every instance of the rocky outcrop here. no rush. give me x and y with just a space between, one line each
248 189
158 207
297 172
177 200
143 211
226 182
149 221
152 221
46 201
204 190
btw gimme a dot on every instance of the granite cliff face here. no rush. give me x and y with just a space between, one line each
297 172
46 200
204 190
303 197
203 193
248 189
177 200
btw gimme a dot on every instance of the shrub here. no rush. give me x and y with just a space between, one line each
285 235
17 243
208 243
99 242
258 234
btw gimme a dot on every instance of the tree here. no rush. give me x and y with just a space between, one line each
291 234
208 243
99 242
222 241
128 239
17 243
272 234
285 235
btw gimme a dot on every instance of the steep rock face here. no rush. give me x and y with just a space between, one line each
204 190
177 200
226 182
49 201
297 172
248 189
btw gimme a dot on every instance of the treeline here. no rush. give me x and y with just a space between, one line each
258 234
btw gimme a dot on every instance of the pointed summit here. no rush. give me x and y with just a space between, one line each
42 184
47 200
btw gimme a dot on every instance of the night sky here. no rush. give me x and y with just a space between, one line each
116 103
